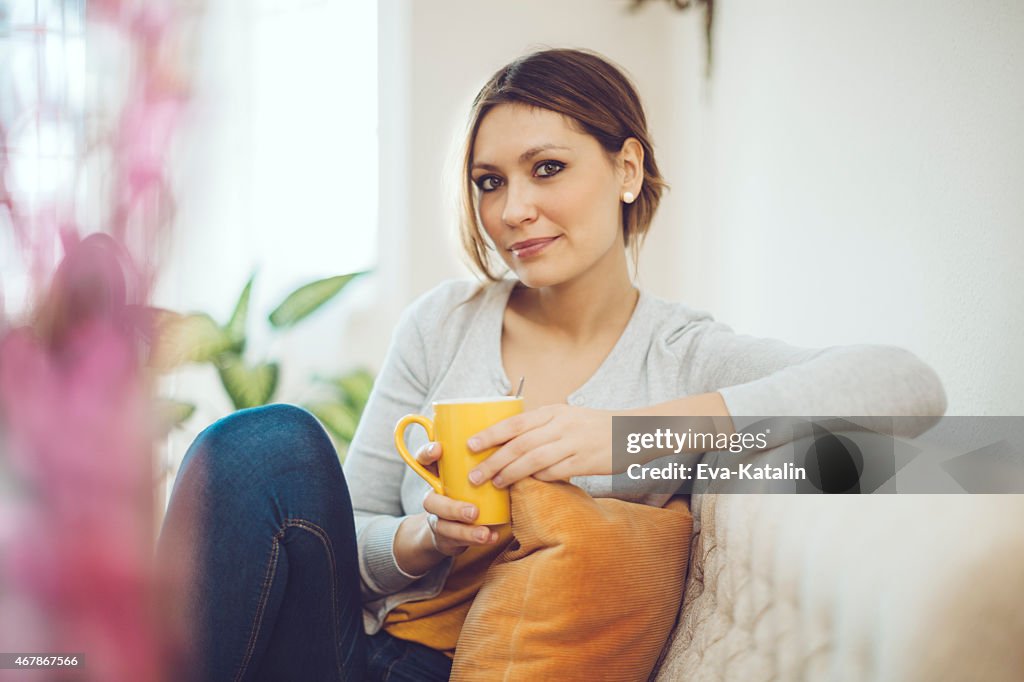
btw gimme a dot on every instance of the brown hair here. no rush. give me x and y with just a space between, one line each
593 93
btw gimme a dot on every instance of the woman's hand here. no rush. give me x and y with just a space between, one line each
557 442
550 443
450 521
446 529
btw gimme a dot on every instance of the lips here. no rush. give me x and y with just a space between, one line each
529 247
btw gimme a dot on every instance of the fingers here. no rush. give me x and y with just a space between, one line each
559 471
451 522
538 459
463 535
513 450
428 455
507 429
447 508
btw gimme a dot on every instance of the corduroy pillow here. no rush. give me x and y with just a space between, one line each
588 589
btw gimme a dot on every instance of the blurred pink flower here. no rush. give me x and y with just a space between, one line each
146 131
77 517
76 418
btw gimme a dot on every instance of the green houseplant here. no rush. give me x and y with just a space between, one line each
182 338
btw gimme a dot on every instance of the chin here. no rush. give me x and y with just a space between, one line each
540 277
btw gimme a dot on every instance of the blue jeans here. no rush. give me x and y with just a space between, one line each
262 515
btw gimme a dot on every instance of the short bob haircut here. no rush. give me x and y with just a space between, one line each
598 98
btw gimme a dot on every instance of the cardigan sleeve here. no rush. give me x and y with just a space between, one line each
768 378
373 469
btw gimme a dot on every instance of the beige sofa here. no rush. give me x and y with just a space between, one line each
872 587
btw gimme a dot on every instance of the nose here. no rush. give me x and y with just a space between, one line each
519 208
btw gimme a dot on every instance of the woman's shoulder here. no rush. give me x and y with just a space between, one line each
456 299
669 320
440 321
453 294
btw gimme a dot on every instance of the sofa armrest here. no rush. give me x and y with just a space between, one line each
849 587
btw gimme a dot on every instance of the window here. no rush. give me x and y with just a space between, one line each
42 93
284 165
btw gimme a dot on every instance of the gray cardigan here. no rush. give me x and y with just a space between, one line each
448 345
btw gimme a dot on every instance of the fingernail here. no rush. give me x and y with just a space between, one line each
433 448
473 443
481 534
469 512
494 537
497 481
475 477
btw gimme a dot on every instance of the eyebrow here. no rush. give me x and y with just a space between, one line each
525 156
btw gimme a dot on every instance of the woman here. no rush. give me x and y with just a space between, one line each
560 182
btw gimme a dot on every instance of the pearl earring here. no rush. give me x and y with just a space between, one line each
628 197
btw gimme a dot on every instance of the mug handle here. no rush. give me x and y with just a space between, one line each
428 425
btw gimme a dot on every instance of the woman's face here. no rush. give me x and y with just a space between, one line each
549 195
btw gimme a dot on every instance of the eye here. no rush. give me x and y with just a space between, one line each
488 183
546 169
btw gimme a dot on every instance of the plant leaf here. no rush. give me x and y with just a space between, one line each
171 414
342 449
247 386
338 417
354 388
186 338
235 328
307 299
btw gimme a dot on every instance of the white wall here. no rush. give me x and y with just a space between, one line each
859 169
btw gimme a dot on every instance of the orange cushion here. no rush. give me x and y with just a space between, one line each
436 622
588 589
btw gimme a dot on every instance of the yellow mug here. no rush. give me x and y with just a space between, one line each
453 424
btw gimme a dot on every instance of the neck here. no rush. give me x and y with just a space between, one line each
589 304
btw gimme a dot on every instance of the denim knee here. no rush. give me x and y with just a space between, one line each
271 439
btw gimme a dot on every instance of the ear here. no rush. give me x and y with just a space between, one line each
631 165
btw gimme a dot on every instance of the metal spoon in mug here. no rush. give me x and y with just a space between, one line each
519 391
